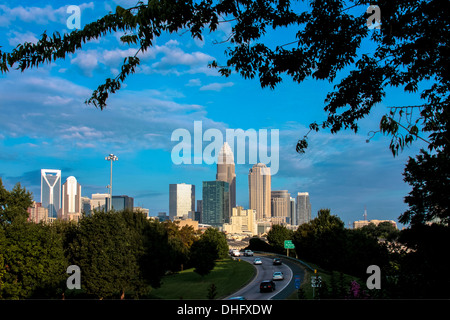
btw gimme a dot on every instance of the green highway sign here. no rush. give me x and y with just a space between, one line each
288 244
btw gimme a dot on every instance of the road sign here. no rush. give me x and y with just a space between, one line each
297 281
288 244
316 281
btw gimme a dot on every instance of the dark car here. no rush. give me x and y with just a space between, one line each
277 261
267 285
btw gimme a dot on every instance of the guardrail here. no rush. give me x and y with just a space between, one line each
284 256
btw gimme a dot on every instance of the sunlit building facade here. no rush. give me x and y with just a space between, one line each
181 200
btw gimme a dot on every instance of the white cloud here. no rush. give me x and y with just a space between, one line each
52 109
173 60
216 86
87 61
18 38
194 83
42 16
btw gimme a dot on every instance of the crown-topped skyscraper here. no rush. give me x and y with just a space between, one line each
226 171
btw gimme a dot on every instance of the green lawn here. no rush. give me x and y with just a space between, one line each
228 276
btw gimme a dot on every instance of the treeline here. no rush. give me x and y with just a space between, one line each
412 261
120 254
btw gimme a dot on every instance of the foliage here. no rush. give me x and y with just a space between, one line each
356 292
276 236
180 241
423 272
14 204
257 244
203 256
34 262
212 292
325 241
119 252
211 245
219 241
384 230
429 176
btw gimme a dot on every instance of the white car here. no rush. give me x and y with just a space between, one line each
257 261
277 275
236 253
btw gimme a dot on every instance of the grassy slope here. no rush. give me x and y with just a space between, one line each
228 276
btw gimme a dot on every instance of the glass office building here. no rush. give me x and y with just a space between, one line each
216 201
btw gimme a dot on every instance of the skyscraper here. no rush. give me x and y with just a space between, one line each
71 199
181 199
259 190
226 172
280 206
216 201
51 191
293 212
303 208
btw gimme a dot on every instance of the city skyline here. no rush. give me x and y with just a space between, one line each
297 210
48 122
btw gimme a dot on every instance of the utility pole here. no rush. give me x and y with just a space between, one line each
110 158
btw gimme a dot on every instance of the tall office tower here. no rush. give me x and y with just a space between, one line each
259 183
120 203
226 171
181 199
98 201
216 201
303 208
293 212
51 191
71 200
280 206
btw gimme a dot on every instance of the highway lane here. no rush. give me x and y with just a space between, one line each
264 272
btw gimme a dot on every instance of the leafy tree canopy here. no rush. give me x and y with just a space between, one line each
14 204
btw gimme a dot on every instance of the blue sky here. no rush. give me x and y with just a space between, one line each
45 123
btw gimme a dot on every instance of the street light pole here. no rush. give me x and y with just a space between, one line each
110 158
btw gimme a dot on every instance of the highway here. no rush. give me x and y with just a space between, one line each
265 272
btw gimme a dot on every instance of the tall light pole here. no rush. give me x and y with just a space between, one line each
110 158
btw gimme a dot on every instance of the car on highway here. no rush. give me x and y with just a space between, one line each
277 276
276 261
248 253
237 298
235 253
257 261
267 285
